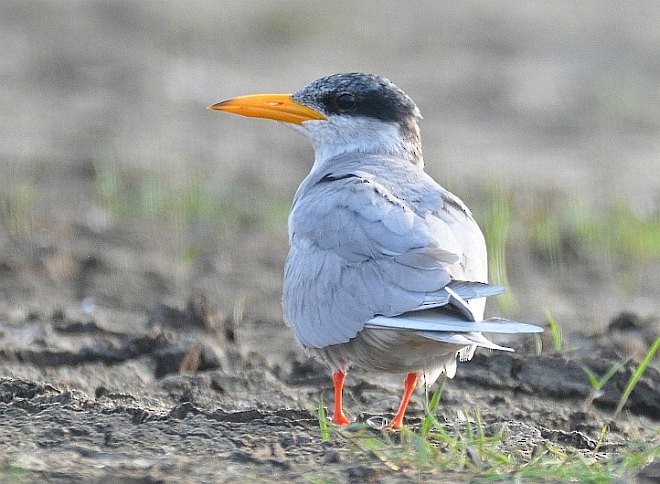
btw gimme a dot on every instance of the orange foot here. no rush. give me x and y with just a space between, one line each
408 389
339 418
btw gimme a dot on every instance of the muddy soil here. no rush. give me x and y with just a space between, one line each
186 395
108 372
148 345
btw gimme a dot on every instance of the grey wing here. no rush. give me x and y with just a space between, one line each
358 250
430 322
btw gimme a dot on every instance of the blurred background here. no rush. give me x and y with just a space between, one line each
120 191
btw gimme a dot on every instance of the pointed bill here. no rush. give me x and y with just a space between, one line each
279 107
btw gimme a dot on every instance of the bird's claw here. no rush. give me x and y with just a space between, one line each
340 419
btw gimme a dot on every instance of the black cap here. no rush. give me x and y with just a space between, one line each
358 94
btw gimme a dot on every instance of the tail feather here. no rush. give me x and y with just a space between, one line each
462 289
446 316
440 321
464 339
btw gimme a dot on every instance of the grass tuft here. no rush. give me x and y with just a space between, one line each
323 421
430 419
496 225
637 374
470 450
598 383
16 207
555 331
180 202
562 229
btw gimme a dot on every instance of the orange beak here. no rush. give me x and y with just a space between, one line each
280 107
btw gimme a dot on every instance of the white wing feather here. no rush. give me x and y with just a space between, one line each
448 322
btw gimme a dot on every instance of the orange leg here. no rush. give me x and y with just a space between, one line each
338 417
408 389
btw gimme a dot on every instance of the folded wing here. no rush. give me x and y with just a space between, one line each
360 249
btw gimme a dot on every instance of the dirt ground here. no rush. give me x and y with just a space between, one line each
141 343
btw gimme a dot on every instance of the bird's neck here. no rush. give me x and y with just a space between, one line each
365 137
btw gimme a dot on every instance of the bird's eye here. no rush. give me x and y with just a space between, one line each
345 100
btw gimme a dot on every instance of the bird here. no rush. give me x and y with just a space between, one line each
386 270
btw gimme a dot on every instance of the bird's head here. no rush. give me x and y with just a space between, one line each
342 114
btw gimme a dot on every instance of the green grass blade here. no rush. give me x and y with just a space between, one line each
538 344
430 420
598 383
555 331
601 438
612 371
497 224
637 375
323 421
593 379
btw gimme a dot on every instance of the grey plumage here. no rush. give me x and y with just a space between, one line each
368 244
386 269
375 242
374 238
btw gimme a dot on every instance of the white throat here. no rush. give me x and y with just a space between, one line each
341 135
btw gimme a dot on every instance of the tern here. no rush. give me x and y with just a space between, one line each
386 269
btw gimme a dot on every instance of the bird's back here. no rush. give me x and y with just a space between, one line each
373 235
